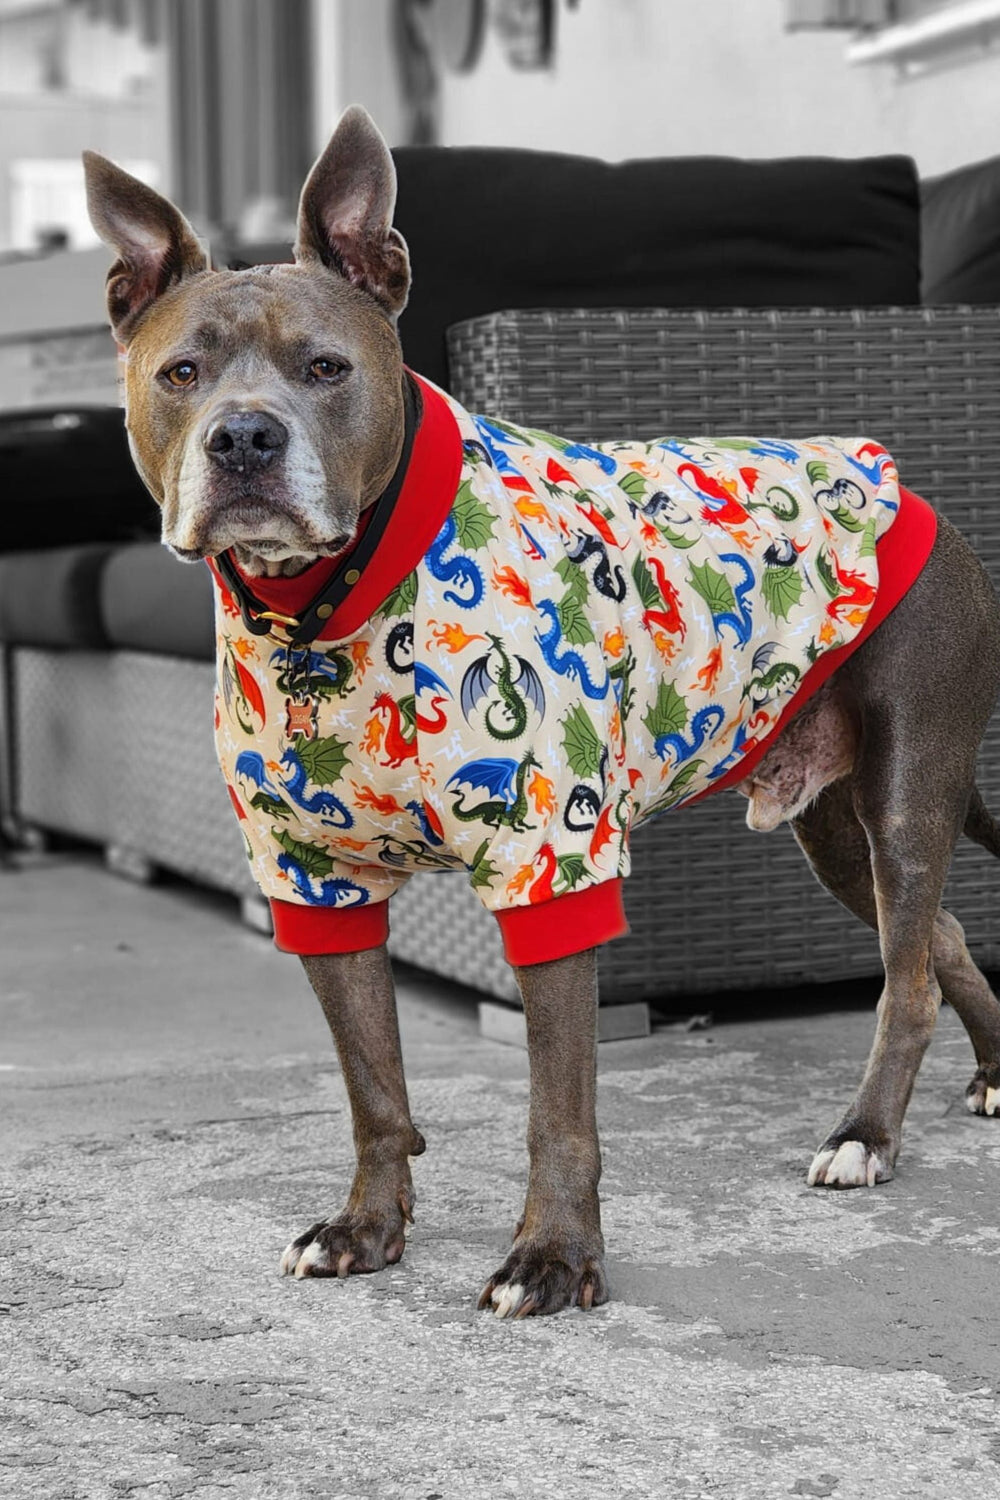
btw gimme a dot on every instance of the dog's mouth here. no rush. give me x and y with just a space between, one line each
255 528
269 549
271 546
276 547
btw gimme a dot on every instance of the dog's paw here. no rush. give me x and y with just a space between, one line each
982 1097
349 1245
545 1278
848 1164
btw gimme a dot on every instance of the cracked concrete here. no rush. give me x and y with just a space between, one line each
172 1115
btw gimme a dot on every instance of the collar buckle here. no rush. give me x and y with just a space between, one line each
278 623
269 614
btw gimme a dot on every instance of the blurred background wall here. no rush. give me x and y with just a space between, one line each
223 102
69 80
664 77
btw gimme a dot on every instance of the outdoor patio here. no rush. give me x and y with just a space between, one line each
172 1115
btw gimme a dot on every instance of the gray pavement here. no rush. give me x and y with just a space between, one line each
172 1115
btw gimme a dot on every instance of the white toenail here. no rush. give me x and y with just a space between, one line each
312 1255
820 1162
507 1299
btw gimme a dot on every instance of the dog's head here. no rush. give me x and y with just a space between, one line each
264 406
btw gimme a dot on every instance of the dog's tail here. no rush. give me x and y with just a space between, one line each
980 826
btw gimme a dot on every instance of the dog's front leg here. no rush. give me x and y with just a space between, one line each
558 1255
359 1002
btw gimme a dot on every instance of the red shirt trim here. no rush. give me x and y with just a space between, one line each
566 924
902 552
329 929
427 495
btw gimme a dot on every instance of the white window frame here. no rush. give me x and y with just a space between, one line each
50 192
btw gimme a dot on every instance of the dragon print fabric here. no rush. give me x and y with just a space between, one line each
596 634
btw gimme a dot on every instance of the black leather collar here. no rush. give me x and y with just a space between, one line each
303 628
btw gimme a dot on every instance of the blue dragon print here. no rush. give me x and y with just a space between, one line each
331 892
570 663
461 569
330 808
712 713
742 623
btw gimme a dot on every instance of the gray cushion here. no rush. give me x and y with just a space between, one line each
491 228
151 602
960 253
50 598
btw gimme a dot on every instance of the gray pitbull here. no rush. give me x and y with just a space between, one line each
266 414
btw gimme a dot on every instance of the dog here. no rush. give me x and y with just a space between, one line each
411 675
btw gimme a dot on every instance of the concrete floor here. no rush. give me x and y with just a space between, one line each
172 1115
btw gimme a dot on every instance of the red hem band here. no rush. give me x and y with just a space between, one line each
566 924
329 929
902 552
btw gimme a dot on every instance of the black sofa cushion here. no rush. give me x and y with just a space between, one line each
68 477
50 598
492 228
961 235
151 602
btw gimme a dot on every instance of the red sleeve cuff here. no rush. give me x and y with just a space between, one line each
329 929
566 924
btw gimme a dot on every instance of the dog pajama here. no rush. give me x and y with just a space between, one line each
551 642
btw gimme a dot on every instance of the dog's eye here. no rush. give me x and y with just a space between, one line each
181 374
328 368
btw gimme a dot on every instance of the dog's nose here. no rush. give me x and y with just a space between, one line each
245 441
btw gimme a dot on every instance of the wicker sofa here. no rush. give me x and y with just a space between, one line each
927 381
86 732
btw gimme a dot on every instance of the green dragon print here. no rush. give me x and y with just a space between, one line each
505 777
515 689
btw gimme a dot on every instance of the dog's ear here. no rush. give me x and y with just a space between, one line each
345 213
155 243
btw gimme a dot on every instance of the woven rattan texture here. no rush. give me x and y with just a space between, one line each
926 382
170 800
117 747
438 923
63 740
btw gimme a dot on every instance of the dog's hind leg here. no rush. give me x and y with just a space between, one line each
862 1149
836 845
968 992
977 1005
924 686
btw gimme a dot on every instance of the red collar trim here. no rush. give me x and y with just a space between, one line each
427 496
